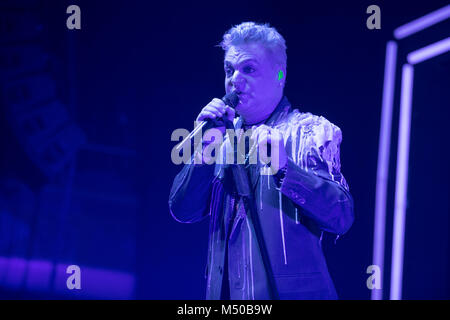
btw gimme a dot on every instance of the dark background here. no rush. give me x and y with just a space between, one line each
136 71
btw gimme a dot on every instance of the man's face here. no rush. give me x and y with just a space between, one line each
250 70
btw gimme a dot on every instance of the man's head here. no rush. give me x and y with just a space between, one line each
255 67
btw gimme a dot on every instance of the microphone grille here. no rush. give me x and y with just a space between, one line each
231 99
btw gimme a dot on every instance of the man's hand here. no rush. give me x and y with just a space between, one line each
266 136
216 109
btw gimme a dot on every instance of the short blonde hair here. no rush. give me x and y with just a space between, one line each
251 32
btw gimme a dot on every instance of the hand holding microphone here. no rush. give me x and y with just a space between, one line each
215 111
212 115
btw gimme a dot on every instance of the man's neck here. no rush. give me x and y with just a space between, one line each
251 124
257 119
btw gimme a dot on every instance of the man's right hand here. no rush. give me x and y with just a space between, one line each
214 110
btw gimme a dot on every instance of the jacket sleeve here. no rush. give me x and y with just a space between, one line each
314 181
190 193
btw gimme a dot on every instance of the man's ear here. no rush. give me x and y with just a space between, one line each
281 75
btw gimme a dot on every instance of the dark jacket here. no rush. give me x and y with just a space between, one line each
313 198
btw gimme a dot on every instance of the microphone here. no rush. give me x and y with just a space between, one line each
231 99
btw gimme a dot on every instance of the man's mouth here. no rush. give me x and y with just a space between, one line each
239 93
243 98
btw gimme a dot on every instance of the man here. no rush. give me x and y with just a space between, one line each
302 196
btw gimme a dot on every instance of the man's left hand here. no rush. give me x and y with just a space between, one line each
265 136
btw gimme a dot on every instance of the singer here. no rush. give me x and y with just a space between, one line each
266 244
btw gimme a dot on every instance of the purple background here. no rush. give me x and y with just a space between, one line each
116 89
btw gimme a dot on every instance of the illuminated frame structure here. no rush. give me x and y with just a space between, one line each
401 182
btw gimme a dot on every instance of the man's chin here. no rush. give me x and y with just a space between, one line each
241 110
242 107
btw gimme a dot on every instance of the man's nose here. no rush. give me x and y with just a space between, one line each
238 81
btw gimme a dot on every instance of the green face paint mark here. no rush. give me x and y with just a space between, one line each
280 75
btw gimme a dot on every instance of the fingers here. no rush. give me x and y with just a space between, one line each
259 132
266 132
205 114
260 138
216 109
230 113
266 139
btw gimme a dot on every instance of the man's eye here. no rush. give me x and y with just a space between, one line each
248 69
228 71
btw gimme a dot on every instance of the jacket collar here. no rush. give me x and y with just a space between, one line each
281 110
